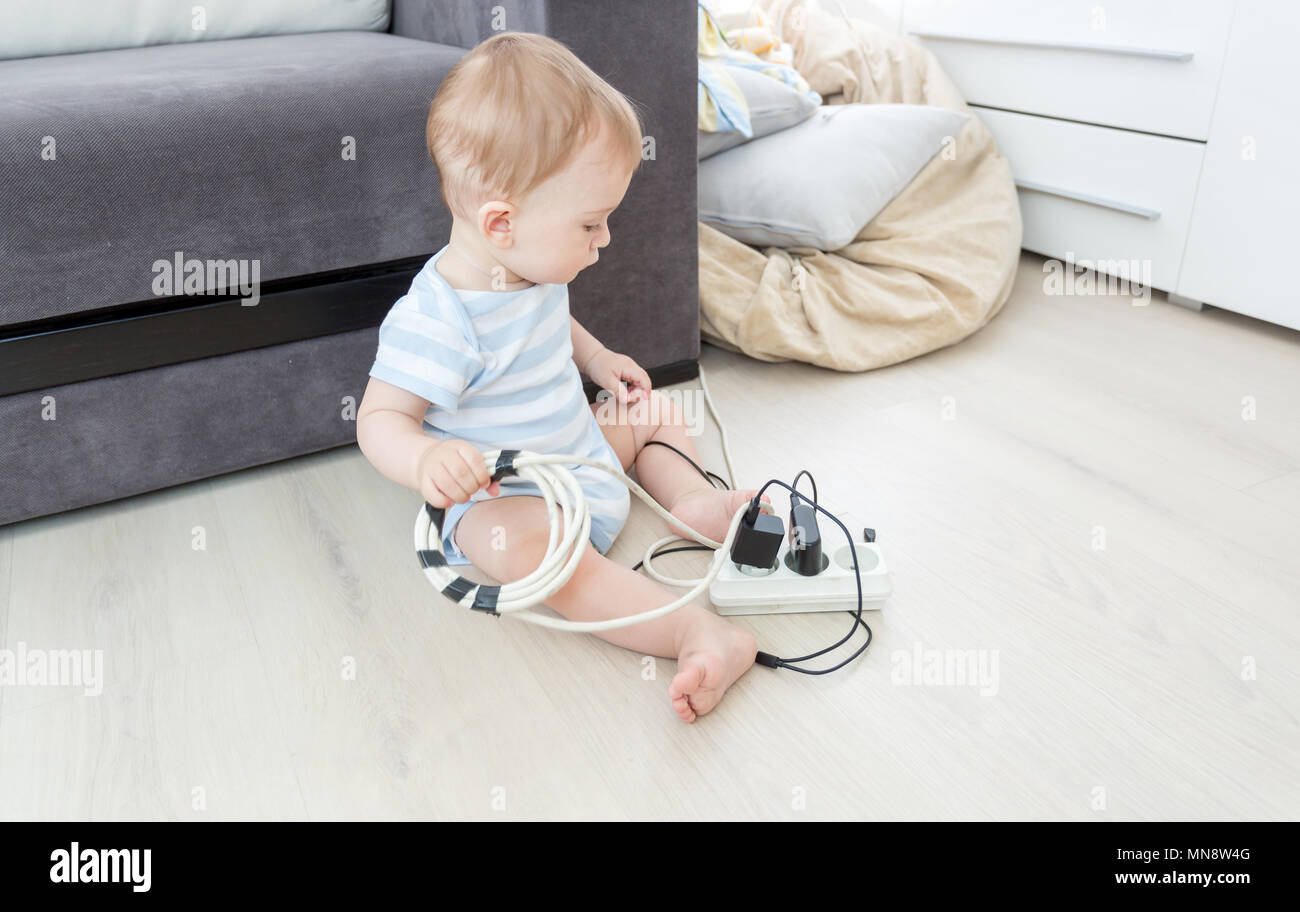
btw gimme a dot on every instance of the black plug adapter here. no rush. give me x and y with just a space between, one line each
758 539
805 555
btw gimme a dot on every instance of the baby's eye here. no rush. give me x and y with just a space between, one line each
591 227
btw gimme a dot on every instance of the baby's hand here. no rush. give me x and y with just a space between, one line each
608 369
451 471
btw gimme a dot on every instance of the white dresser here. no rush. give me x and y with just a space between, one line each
1153 138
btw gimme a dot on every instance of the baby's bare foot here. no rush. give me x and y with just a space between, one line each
713 655
709 511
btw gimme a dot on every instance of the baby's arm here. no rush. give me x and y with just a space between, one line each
585 345
389 434
612 368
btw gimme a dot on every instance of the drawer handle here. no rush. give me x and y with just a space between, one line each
1180 56
1151 214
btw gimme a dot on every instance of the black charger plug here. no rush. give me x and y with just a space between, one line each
758 539
805 555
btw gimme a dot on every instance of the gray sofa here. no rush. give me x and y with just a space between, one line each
112 384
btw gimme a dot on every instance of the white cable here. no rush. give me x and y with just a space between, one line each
570 518
647 562
722 428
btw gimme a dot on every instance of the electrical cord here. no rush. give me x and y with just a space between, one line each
765 658
813 481
704 472
777 662
722 428
570 520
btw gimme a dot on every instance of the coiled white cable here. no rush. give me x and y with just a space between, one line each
570 519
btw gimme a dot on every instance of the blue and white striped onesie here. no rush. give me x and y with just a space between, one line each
497 369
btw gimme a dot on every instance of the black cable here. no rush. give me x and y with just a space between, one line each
702 472
767 658
795 483
778 662
658 554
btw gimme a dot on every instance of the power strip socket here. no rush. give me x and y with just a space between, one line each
783 591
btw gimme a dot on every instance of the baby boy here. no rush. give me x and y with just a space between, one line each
534 151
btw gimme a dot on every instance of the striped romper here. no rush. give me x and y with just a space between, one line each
497 370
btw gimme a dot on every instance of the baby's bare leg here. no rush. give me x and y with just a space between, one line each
666 476
628 428
506 537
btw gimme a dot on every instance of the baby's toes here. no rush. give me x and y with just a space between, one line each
684 710
689 678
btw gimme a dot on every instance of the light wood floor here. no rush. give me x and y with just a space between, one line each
1072 493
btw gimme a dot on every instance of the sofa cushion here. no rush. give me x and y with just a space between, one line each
30 29
116 161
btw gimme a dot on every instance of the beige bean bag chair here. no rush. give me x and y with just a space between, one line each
934 266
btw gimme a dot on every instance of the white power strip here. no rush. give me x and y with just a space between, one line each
783 591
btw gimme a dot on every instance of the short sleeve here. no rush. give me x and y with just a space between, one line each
426 354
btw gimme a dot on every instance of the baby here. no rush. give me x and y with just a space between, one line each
534 151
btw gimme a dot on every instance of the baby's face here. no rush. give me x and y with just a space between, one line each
563 223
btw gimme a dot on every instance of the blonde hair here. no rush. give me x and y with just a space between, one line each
516 110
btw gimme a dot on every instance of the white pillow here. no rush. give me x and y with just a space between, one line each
818 183
38 28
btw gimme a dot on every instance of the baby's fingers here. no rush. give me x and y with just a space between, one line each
643 380
434 496
481 476
457 480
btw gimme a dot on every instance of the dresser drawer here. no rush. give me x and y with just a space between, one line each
1150 65
1094 193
